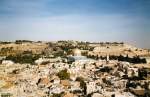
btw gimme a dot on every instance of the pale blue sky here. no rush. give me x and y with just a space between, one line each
87 20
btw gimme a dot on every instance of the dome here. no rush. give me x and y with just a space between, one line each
76 52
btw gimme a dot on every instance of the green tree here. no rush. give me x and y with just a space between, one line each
23 58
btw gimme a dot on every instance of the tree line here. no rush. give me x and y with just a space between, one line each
135 59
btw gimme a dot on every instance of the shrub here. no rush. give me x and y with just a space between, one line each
63 74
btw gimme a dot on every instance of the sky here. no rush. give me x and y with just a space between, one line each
84 20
